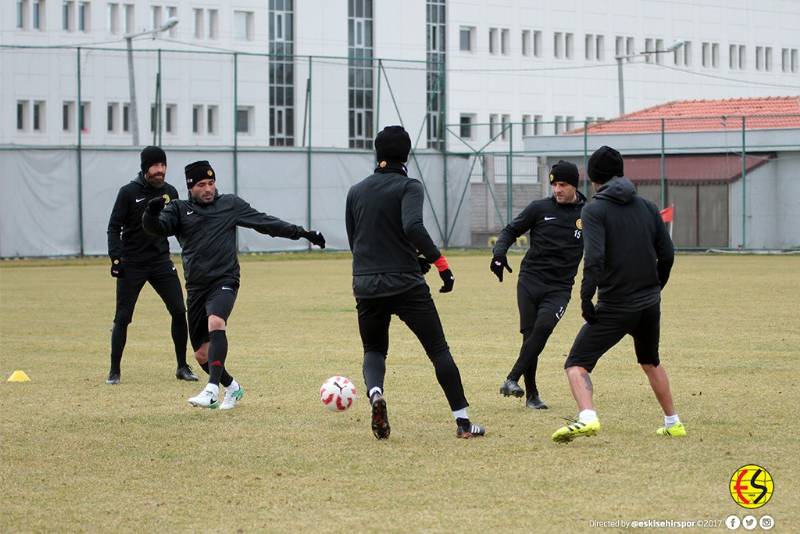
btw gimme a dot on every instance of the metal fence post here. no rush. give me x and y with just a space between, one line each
662 179
509 171
585 157
442 144
79 123
744 184
235 123
308 149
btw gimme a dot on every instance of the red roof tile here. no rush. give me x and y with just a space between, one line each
706 115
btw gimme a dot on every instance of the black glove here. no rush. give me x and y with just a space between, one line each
498 264
314 237
424 265
155 205
117 271
588 312
448 279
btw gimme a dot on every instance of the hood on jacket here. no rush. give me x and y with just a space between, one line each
618 190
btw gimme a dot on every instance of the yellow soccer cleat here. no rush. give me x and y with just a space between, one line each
675 431
565 434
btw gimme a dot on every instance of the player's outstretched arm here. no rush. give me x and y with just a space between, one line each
158 220
249 217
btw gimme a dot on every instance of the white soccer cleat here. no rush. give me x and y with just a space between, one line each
206 399
231 397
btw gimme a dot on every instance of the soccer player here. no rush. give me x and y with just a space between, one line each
138 258
205 226
547 272
386 235
627 258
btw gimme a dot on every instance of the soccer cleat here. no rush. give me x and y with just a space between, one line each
676 431
206 399
113 378
511 387
380 417
565 434
536 403
470 430
184 372
231 397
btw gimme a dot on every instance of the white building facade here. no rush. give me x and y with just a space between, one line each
544 66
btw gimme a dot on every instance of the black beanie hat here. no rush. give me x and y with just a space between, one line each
604 164
199 170
152 155
393 144
564 171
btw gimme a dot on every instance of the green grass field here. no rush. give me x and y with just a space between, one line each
78 455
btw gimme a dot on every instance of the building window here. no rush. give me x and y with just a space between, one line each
630 48
789 60
558 45
126 118
153 118
360 73
281 73
157 18
22 115
537 124
197 119
768 58
84 117
526 125
171 118
84 17
493 120
526 42
493 38
243 25
212 113
600 47
619 46
659 55
465 125
466 36
742 57
172 13
111 117
199 23
130 21
505 44
648 49
759 58
244 120
683 54
22 14
706 54
569 45
39 15
505 121
537 43
570 122
589 46
436 23
68 16
213 24
67 116
113 18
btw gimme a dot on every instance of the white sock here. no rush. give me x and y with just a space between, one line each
461 414
587 416
671 420
213 388
375 390
234 385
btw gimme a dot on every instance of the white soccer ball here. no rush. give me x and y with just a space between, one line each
337 393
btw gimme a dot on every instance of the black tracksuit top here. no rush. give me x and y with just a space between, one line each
556 241
628 253
207 234
386 233
127 240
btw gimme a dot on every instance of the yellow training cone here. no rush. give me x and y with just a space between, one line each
19 376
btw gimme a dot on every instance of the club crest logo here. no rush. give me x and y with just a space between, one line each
552 178
210 172
751 486
579 224
166 198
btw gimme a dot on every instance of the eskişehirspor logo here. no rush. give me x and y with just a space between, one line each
751 486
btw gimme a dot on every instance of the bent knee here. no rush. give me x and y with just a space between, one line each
215 322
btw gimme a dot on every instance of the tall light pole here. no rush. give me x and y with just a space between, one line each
169 23
621 58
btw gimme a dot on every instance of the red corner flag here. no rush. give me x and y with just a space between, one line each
667 214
